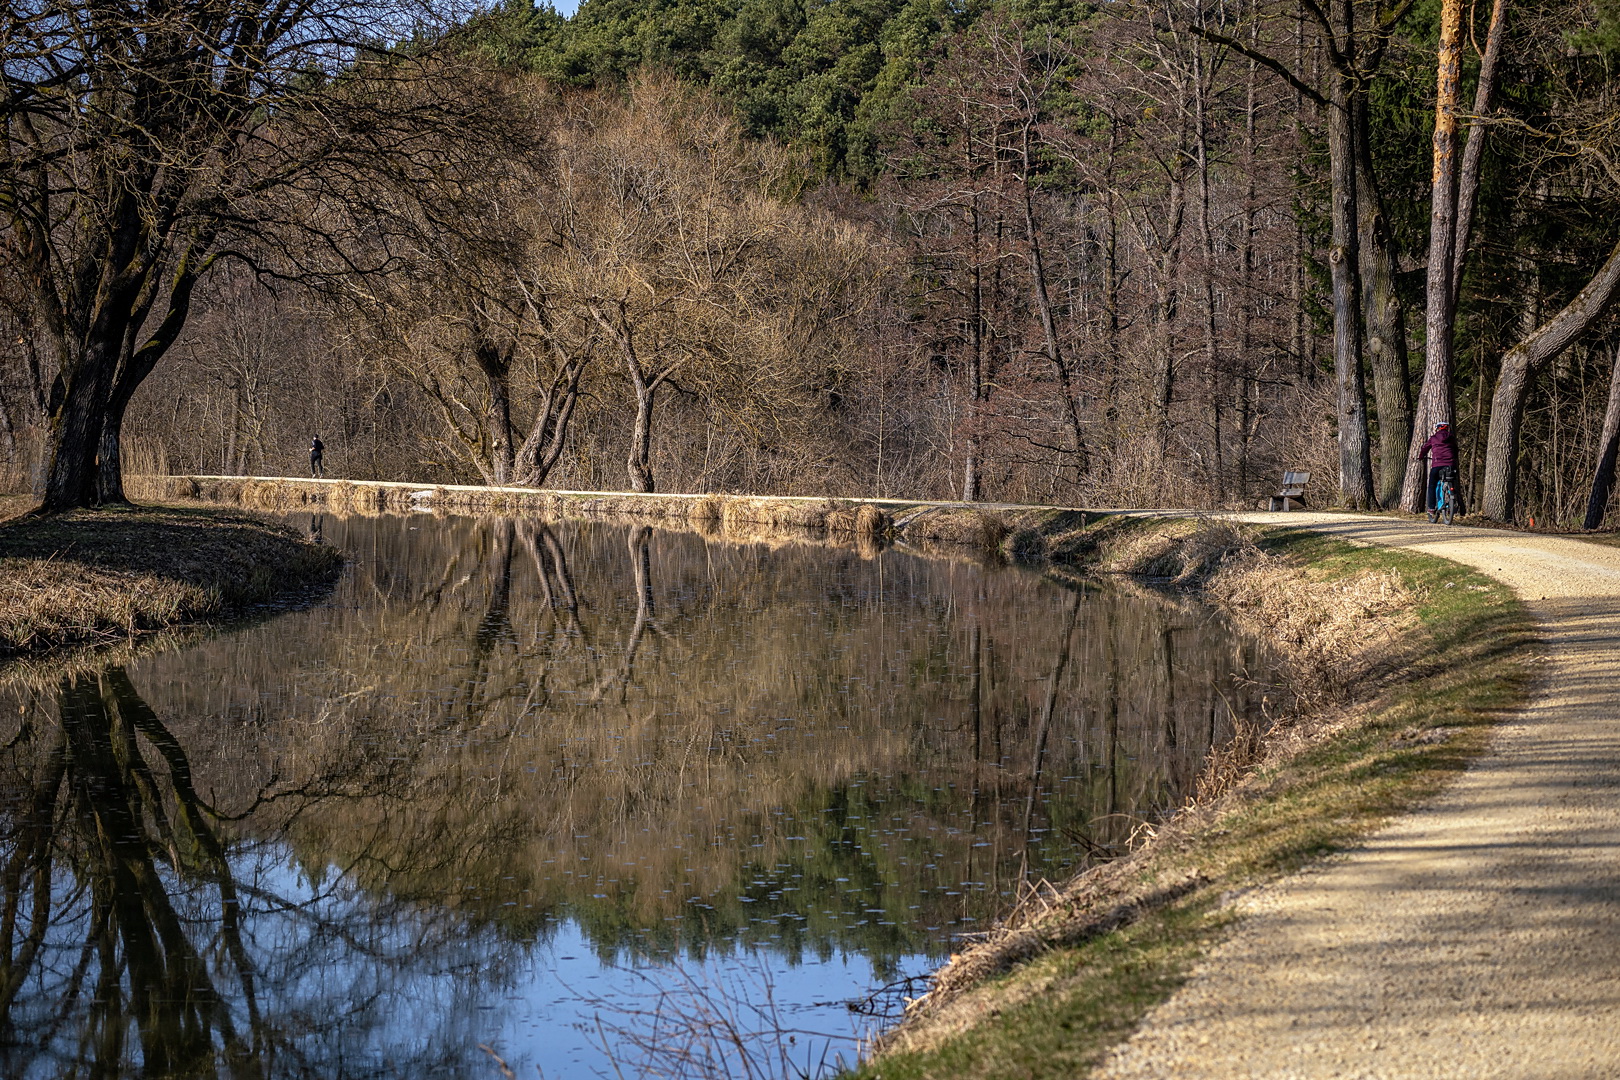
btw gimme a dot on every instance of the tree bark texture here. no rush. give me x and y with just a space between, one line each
496 364
1608 448
639 463
1355 451
71 474
1436 404
1385 316
1513 384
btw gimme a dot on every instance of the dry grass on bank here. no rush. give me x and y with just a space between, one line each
99 575
16 505
1404 663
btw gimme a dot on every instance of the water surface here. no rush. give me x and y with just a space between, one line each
573 796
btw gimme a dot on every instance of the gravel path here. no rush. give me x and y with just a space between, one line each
1479 937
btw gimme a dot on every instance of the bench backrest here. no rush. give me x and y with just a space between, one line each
1293 483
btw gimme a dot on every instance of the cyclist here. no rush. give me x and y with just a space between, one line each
1441 452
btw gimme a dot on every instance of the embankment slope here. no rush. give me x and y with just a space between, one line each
1474 938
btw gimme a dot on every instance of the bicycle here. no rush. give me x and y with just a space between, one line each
1445 501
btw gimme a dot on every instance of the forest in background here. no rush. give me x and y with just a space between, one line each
1121 254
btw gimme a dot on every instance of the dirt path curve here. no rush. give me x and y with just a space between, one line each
1479 937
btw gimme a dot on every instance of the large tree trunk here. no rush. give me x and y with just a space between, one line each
110 458
1386 318
1608 448
1436 404
1513 384
134 365
496 364
1355 452
110 454
77 413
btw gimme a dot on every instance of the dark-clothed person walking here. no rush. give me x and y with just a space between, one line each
1441 451
316 449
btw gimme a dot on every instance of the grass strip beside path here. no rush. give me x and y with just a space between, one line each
1463 664
92 576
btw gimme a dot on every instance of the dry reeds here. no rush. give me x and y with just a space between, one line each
1097 902
1332 632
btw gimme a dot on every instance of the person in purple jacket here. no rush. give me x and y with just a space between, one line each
1441 452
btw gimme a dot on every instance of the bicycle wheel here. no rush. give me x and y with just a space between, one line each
1448 502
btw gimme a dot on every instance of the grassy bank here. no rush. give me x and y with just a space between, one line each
1402 662
100 575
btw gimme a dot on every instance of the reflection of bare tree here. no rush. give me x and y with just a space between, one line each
130 939
100 805
551 568
1054 682
639 543
606 722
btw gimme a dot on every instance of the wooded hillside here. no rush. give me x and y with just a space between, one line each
1109 254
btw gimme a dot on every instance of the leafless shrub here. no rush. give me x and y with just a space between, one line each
712 1023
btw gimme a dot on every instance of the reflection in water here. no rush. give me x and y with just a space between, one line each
137 938
362 839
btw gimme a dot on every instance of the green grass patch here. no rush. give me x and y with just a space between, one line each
1429 709
100 575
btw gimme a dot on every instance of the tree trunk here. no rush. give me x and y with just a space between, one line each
1164 377
1436 404
110 458
1512 385
1216 468
1386 318
110 455
1043 304
548 434
639 461
1248 402
1355 452
1608 448
496 364
1474 153
72 476
970 462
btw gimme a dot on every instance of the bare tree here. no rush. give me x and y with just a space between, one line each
676 239
143 143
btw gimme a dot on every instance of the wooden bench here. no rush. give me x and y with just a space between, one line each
1291 496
